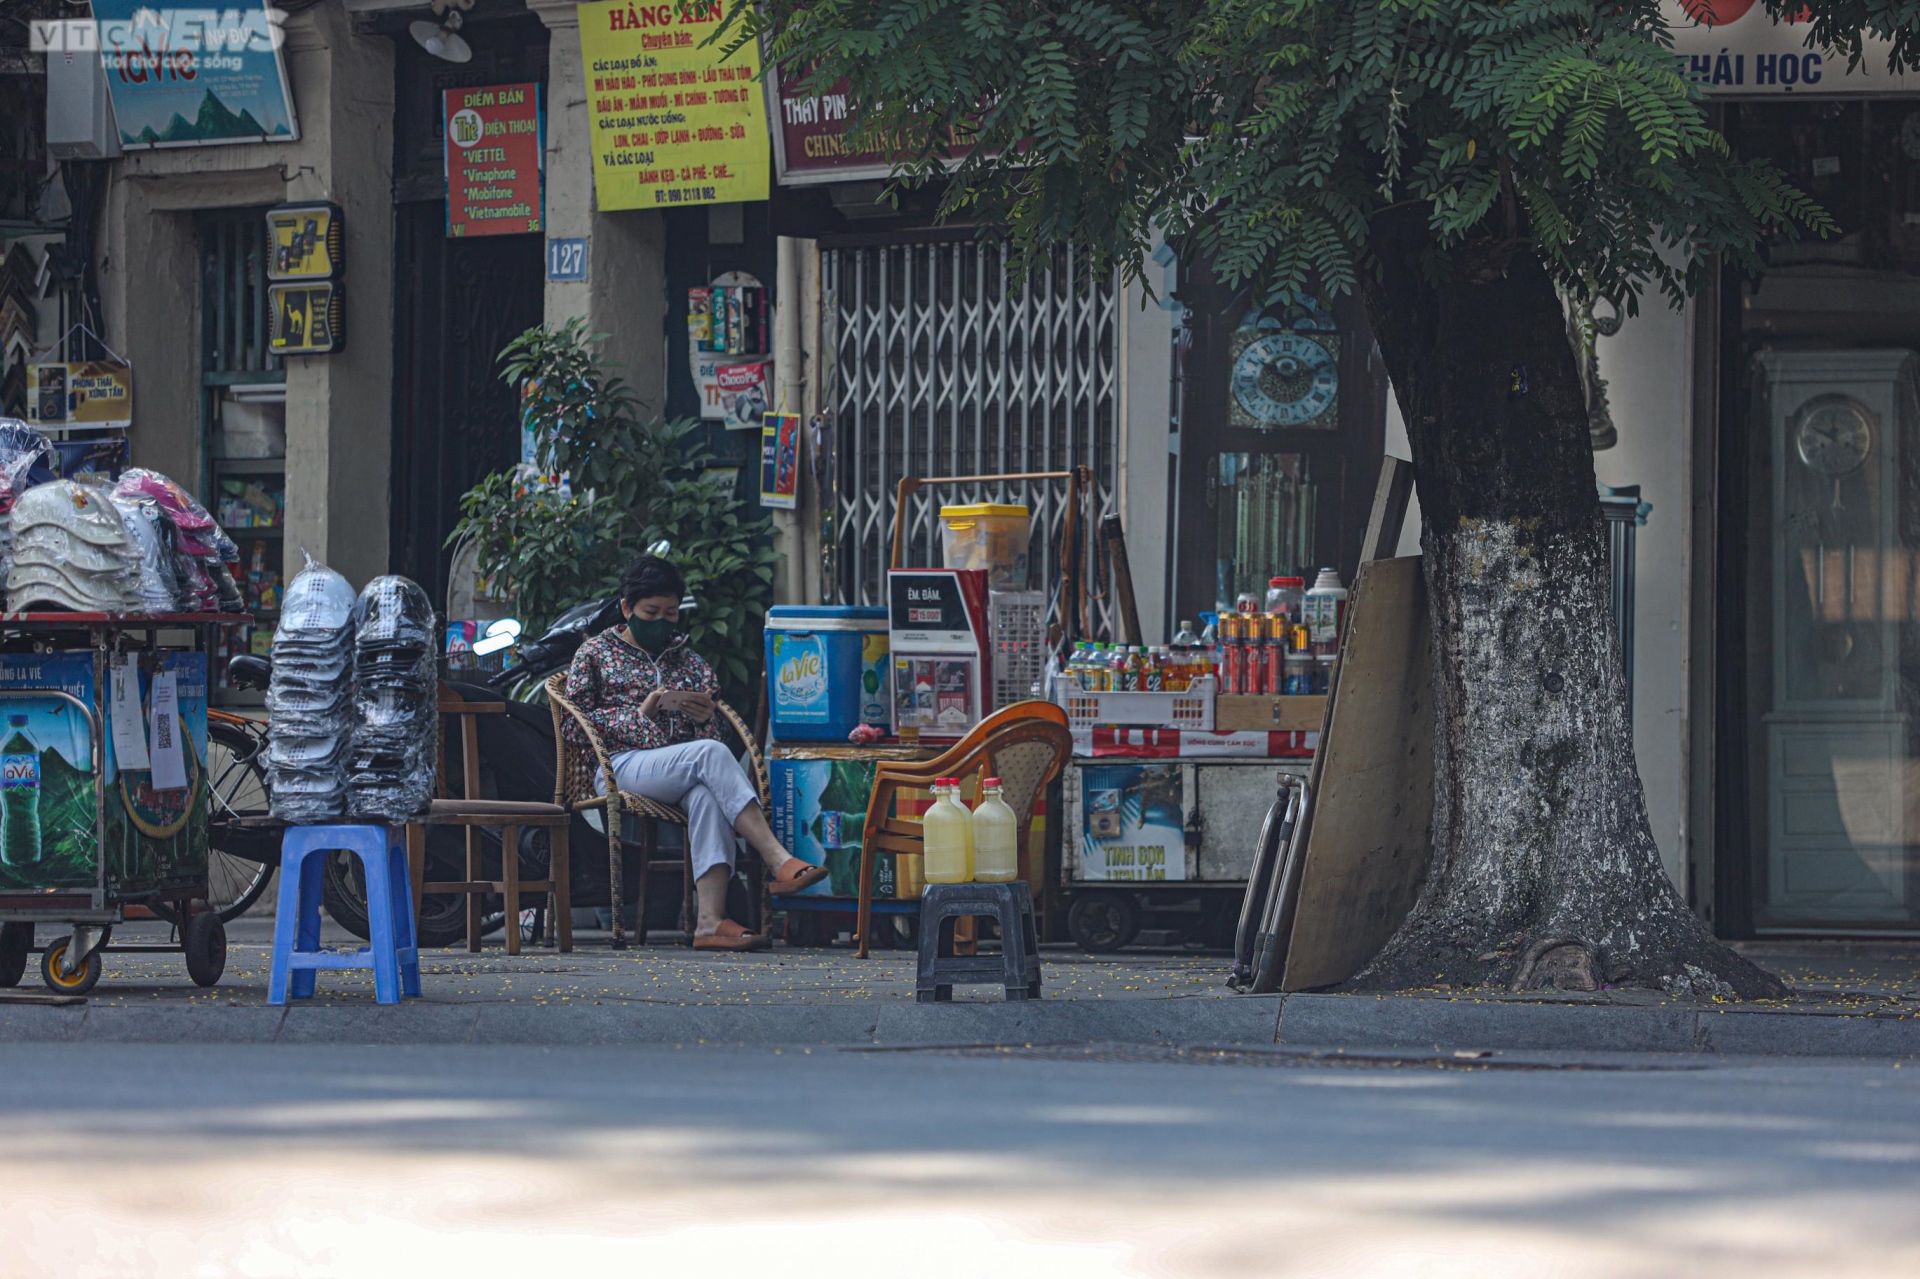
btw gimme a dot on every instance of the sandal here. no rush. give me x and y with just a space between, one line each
731 936
793 876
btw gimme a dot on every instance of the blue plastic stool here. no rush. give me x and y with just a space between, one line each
394 953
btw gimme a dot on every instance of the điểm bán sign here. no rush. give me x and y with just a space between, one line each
494 156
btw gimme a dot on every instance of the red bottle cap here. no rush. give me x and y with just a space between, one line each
990 781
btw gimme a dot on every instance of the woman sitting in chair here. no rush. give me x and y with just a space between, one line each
651 698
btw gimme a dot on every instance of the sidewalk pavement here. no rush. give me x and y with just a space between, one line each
1852 999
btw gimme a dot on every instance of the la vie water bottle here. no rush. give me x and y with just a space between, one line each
19 797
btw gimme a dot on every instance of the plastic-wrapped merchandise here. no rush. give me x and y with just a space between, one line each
157 539
72 549
206 583
20 448
396 711
310 699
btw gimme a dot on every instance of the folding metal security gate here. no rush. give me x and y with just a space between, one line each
940 366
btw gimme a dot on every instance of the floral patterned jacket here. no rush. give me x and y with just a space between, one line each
610 678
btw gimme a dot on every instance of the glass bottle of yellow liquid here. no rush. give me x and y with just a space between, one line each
996 837
946 833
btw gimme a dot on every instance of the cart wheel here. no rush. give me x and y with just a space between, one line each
205 945
16 940
68 983
1103 922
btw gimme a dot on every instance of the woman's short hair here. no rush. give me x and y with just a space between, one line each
649 577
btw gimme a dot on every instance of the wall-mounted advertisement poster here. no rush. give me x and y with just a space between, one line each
195 77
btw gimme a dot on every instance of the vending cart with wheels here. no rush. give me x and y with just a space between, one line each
104 796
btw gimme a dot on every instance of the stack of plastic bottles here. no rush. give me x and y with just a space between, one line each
310 700
71 549
396 702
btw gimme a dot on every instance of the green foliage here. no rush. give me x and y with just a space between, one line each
634 482
1269 134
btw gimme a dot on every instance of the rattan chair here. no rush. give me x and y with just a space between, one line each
576 774
1025 745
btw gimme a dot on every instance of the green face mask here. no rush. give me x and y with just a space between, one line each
652 634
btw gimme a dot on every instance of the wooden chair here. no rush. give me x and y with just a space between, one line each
470 811
1025 745
576 775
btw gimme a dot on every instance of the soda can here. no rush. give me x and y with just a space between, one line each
1276 652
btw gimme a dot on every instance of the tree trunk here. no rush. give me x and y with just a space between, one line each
1544 868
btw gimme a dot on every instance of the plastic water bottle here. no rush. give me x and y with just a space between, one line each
996 837
19 797
946 834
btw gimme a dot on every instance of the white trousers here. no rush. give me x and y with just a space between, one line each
702 778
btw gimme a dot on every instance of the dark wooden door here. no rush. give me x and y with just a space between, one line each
1282 423
457 302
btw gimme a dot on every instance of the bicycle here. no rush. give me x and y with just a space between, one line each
237 803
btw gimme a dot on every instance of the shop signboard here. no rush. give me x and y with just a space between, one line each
810 134
195 76
671 121
494 155
80 393
1734 48
154 837
1131 827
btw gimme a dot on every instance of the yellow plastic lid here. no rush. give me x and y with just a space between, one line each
975 510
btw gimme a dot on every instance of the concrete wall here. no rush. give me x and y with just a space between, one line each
1648 369
625 293
339 407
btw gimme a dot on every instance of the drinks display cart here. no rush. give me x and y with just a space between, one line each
104 793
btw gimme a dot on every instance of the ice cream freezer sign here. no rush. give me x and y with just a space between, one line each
672 121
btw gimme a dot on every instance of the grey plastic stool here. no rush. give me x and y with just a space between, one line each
1017 966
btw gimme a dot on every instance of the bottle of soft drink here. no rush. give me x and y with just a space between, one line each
1276 652
1119 669
1157 670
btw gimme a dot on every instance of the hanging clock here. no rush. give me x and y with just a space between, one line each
1285 379
1834 435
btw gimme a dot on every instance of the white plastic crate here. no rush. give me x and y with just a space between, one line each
1192 709
1017 623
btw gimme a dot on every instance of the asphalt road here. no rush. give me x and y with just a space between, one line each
156 1160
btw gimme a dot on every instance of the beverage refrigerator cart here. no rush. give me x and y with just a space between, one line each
104 796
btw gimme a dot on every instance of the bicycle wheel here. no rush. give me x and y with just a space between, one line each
236 787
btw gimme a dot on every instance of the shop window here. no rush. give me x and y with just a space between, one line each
243 421
1820 529
1267 505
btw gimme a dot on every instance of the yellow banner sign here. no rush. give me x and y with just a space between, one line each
671 123
80 393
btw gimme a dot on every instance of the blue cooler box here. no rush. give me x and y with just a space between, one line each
827 670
